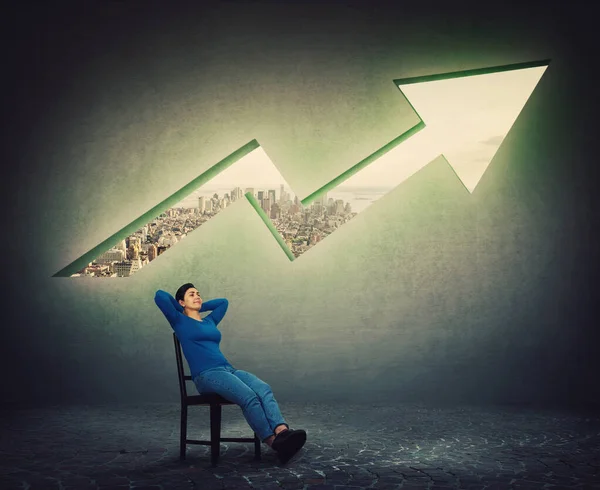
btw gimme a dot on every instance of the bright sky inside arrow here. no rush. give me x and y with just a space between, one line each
466 119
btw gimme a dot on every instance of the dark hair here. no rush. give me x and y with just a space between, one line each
181 291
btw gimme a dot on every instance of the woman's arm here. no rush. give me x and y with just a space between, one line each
219 308
168 305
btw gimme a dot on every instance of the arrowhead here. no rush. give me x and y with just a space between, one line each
468 116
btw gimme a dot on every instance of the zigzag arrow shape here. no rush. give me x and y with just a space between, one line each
464 116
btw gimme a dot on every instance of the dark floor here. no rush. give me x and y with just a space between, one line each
377 447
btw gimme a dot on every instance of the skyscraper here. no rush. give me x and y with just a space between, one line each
275 211
323 199
122 269
266 205
112 255
121 246
236 194
152 252
136 265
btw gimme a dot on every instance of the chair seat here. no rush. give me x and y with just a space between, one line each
215 401
207 398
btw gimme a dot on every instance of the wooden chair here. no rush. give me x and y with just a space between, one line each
214 401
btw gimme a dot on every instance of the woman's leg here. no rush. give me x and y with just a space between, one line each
267 399
227 385
286 446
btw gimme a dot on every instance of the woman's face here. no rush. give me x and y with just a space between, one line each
191 299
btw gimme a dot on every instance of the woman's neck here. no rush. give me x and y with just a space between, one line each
195 314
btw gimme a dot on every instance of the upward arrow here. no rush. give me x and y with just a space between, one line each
467 115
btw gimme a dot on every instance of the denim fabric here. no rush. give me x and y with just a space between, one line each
252 394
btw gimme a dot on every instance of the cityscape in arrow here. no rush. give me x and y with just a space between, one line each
464 116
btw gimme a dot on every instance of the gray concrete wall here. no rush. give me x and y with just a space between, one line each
429 295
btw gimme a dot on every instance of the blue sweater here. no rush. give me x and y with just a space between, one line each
199 339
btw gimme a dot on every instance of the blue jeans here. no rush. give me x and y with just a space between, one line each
252 394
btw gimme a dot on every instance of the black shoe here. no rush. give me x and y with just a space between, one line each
287 443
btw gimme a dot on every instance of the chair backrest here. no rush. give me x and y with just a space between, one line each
180 372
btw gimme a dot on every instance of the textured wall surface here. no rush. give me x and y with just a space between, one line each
431 294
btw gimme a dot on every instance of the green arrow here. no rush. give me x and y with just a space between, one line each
465 116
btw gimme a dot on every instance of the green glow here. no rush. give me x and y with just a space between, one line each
465 116
466 119
124 232
363 164
267 221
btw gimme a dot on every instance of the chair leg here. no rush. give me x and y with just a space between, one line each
183 432
215 432
256 447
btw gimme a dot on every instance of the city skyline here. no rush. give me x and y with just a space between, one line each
464 118
301 227
341 191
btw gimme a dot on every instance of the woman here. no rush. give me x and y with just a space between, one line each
212 373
